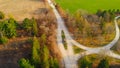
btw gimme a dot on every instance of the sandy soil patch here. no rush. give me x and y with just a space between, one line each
20 9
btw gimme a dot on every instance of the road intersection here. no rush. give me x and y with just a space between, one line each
70 59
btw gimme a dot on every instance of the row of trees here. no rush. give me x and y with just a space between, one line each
86 63
8 28
108 15
40 56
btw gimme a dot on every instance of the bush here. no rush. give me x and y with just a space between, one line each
25 64
2 15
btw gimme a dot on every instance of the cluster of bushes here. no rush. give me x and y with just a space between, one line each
40 56
85 62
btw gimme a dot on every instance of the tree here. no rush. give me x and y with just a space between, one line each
53 63
85 63
43 39
8 28
27 24
11 28
107 16
45 63
103 63
2 15
99 12
30 25
3 39
25 64
36 51
79 20
35 30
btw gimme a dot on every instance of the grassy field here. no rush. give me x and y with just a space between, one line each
88 5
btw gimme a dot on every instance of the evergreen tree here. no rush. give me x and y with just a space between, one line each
99 12
8 28
3 39
53 63
36 51
104 63
43 39
11 28
30 25
25 64
27 24
35 30
85 63
45 62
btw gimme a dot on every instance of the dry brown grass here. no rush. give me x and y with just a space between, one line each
20 9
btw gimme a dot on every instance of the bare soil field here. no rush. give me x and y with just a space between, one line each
20 9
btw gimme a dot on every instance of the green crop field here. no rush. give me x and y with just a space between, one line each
88 5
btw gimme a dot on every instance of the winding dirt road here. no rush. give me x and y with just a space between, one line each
70 59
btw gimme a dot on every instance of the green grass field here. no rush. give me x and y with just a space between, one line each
89 5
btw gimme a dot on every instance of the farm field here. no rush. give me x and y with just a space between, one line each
90 5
